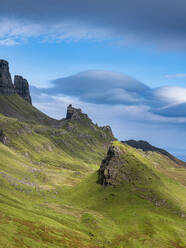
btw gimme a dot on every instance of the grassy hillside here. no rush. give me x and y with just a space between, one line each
15 106
50 196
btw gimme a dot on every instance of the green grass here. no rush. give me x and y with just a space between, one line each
50 198
15 106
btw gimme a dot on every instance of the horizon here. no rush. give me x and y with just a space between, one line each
123 64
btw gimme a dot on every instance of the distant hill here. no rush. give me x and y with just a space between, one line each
145 146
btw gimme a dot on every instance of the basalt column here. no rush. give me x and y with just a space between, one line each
6 85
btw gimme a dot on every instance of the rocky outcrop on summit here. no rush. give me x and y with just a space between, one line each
110 169
22 88
121 165
6 85
75 114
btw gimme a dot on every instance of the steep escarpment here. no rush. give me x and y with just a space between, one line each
21 87
7 87
15 99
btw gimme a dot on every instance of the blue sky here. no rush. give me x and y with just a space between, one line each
122 62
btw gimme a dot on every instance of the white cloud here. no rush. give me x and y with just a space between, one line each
127 122
8 42
177 75
113 89
171 95
13 31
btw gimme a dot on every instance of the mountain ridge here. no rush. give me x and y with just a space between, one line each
146 146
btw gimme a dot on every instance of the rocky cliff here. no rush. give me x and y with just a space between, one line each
123 165
110 169
75 114
21 87
7 87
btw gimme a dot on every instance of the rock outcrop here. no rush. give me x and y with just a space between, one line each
121 165
20 86
3 138
110 169
75 114
6 85
108 130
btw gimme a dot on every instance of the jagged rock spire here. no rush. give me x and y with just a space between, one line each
6 85
75 114
20 86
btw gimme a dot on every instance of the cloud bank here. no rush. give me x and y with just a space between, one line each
132 109
110 88
154 23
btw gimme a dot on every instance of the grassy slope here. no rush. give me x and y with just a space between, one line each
49 196
15 106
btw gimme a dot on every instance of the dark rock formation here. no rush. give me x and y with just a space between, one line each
145 146
6 85
110 169
22 88
3 138
75 114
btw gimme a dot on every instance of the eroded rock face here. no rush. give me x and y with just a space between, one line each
75 114
110 172
6 85
22 88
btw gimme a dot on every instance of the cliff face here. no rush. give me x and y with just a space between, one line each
20 86
122 164
75 114
110 172
6 85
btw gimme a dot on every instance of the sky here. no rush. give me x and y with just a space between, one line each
122 62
